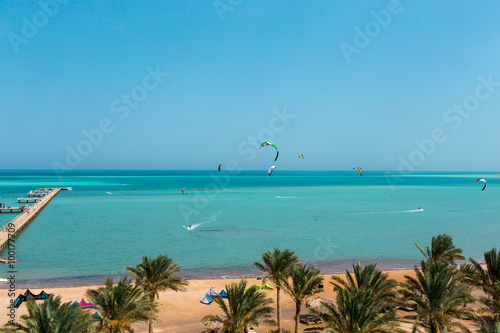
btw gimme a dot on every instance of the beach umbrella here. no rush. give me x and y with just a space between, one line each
316 303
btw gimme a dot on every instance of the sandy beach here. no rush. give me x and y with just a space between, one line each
181 312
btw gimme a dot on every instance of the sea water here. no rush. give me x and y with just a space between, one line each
330 219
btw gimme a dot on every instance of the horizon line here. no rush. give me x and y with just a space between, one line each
289 170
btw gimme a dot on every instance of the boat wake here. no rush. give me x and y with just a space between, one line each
397 211
279 197
213 218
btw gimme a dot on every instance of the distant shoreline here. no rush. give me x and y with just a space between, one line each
217 273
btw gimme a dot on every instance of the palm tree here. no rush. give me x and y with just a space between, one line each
373 280
245 308
442 250
487 279
52 317
357 311
277 266
155 275
492 301
365 302
440 295
496 329
122 306
304 284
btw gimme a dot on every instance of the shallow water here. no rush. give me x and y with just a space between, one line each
329 219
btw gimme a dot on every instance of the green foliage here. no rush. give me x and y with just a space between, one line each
245 307
488 280
304 282
357 311
442 250
373 280
364 303
156 275
122 306
277 266
52 317
495 329
440 296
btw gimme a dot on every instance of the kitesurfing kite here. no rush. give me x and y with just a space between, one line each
220 166
360 170
482 180
301 155
271 170
269 143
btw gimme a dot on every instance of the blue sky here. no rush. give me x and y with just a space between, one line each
386 85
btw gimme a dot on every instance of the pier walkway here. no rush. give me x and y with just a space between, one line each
11 209
22 220
28 200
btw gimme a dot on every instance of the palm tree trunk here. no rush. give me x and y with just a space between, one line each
297 315
278 308
152 299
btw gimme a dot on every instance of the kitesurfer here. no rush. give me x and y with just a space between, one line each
271 170
270 143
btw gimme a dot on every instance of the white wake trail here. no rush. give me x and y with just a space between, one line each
194 226
397 211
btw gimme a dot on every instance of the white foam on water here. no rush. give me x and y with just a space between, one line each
213 218
397 211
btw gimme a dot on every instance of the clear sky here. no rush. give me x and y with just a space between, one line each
385 85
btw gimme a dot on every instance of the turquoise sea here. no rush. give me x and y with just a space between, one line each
330 219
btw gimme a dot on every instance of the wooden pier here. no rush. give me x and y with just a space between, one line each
36 194
26 216
11 209
28 200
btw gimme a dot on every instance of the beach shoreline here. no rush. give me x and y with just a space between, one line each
215 273
181 312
